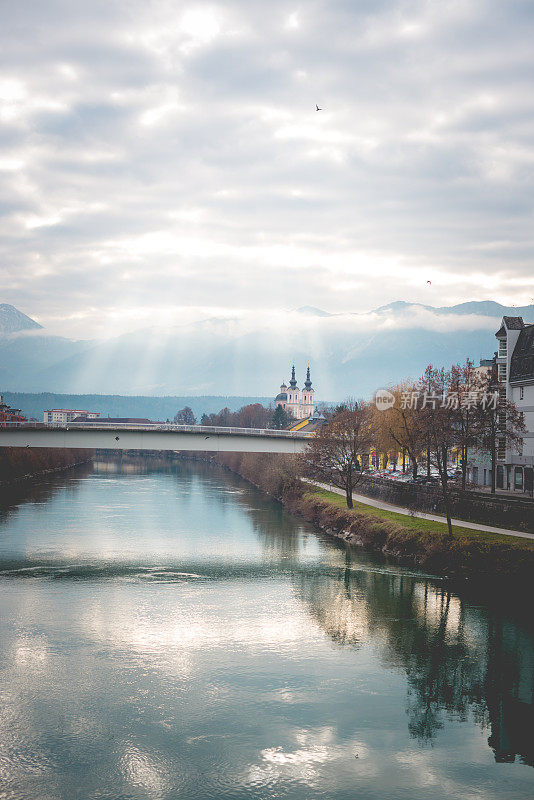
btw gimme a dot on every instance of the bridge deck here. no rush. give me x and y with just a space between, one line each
128 436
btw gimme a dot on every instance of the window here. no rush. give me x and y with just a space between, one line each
502 373
502 347
501 449
518 478
521 392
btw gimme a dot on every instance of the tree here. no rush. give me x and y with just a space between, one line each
335 454
464 391
185 417
399 426
438 426
253 416
498 423
280 418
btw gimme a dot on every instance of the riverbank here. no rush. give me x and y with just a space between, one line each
469 554
18 464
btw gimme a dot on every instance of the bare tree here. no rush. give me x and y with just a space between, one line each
335 454
399 425
464 392
498 422
253 416
438 426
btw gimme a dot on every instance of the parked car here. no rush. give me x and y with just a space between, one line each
423 480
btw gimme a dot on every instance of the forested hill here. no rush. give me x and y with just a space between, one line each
156 408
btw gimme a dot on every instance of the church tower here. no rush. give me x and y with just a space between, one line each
293 401
297 405
281 397
307 406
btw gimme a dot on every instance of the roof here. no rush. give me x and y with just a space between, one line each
71 411
139 420
522 361
307 425
281 396
512 324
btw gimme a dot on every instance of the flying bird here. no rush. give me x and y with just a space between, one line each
317 108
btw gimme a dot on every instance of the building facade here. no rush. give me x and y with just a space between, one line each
8 414
514 362
515 369
296 404
60 416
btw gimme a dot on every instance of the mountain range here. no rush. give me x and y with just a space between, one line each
350 354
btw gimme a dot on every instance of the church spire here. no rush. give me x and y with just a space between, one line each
307 382
293 381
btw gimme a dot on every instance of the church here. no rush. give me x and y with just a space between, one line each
296 405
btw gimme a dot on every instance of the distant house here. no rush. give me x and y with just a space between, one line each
119 420
8 414
60 416
309 424
484 368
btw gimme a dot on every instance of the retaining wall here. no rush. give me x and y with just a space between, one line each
496 510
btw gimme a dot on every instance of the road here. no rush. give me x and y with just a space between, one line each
408 512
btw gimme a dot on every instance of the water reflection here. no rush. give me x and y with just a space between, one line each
41 491
459 658
177 634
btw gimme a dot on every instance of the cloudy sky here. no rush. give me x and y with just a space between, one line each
163 161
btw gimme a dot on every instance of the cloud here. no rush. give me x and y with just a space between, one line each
180 146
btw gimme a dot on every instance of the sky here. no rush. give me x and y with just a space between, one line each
163 161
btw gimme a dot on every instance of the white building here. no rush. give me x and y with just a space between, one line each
515 365
59 416
514 360
297 405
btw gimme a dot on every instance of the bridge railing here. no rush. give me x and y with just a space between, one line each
130 426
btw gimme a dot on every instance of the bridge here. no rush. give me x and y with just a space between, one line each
126 436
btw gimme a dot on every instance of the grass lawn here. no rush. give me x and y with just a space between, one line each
425 526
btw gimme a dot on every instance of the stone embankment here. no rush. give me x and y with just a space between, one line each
470 555
473 555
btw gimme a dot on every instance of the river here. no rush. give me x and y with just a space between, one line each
170 632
